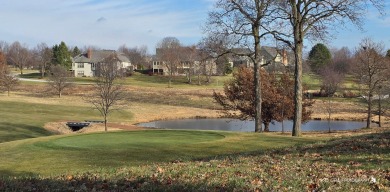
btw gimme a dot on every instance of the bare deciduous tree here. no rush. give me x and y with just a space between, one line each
301 19
331 80
240 23
7 80
59 79
3 62
43 56
341 60
107 93
371 67
189 57
168 51
137 55
18 55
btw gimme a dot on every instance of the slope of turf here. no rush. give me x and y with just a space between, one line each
23 119
92 152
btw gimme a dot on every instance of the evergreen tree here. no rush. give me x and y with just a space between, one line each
76 51
62 56
319 57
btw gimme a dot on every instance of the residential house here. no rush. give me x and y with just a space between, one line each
188 60
272 58
84 65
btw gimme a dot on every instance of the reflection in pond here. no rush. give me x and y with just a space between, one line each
249 126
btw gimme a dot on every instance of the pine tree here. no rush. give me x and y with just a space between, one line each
319 57
62 56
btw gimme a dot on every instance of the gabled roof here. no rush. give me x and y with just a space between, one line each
98 56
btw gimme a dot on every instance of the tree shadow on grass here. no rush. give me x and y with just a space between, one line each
17 131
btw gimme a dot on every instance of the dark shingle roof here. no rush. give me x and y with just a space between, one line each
99 55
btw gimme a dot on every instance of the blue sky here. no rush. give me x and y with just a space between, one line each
108 24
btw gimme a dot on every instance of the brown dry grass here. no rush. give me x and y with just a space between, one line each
145 111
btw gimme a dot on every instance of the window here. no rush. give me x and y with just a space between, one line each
80 73
80 65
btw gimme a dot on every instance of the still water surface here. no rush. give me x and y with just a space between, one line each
249 126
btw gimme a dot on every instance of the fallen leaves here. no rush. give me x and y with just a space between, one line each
350 164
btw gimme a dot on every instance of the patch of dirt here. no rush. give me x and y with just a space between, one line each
62 128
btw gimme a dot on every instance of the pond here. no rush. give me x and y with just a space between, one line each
249 126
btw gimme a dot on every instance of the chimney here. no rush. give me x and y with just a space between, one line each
284 55
89 53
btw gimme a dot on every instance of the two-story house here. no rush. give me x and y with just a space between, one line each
272 59
187 60
84 65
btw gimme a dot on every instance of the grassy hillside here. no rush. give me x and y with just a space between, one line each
92 152
359 163
25 118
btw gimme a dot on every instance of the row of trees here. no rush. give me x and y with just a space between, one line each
245 23
41 57
369 64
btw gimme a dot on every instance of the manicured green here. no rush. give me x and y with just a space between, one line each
92 152
21 120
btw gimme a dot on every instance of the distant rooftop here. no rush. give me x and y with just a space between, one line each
95 56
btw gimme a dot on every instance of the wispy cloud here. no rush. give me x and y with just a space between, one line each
101 19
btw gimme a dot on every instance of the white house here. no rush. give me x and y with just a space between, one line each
84 65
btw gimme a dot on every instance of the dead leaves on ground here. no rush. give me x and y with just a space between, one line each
351 164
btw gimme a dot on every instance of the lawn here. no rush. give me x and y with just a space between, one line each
143 80
33 159
25 118
58 155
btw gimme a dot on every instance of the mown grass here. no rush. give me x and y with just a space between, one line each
173 160
312 81
142 80
92 152
23 119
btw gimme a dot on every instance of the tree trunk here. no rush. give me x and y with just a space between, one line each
380 108
43 72
369 111
298 86
257 78
257 90
266 126
189 75
105 123
170 82
329 112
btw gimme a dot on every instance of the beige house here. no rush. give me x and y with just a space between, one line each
275 59
185 65
84 65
